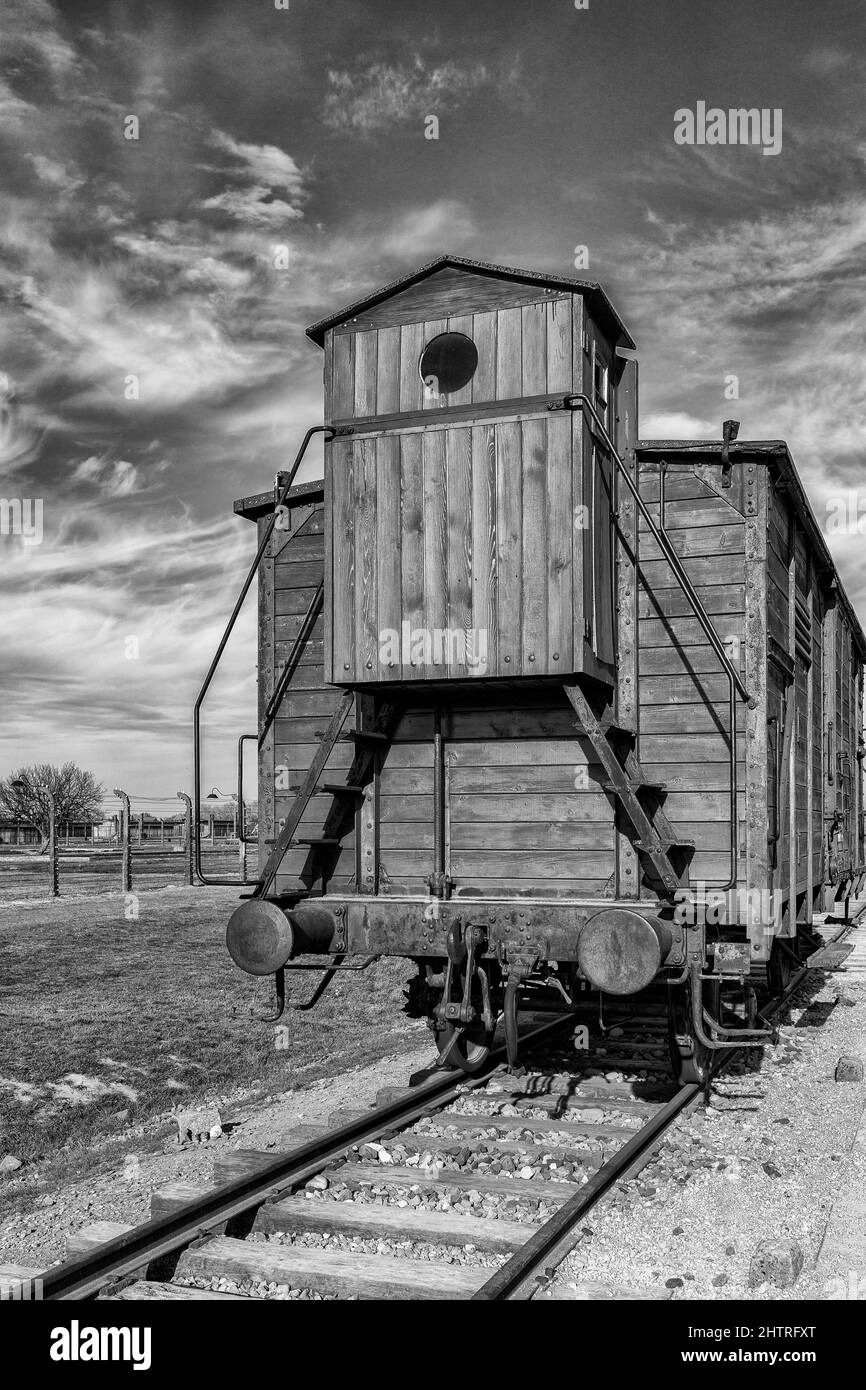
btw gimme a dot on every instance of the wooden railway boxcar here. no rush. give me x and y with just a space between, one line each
541 701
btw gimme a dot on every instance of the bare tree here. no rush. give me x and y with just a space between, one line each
24 795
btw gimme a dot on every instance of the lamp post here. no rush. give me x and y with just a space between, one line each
54 870
187 835
125 842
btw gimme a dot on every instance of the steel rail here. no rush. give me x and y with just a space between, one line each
513 1279
522 1265
84 1276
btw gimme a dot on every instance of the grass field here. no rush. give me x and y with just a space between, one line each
100 1015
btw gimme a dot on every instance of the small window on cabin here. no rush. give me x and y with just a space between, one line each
448 363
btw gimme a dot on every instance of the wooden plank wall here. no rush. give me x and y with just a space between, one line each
525 350
684 716
792 585
309 703
464 527
844 793
779 629
525 812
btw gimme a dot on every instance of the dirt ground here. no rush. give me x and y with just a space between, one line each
121 1190
109 1018
779 1155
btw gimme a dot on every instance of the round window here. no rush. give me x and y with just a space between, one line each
448 362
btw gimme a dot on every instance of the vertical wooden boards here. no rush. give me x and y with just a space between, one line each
509 353
485 556
525 348
458 451
759 768
558 320
484 380
533 334
682 692
533 473
435 544
389 548
366 556
412 537
560 541
453 549
461 323
365 373
388 371
509 529
412 338
343 386
343 558
602 532
431 396
581 572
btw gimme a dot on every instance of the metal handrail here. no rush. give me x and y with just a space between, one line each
662 539
244 838
330 432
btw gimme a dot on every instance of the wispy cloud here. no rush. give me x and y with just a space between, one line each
827 59
381 95
117 478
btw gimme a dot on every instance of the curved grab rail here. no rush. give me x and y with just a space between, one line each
330 432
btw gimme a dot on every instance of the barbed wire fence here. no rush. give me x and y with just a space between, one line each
140 840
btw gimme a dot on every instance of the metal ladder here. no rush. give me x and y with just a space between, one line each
330 431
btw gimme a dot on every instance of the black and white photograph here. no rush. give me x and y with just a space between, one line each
432 606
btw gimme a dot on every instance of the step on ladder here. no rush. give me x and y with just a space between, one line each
371 742
664 853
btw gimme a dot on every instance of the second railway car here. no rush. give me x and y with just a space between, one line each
543 704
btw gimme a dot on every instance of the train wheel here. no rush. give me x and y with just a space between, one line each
779 967
471 1048
691 1059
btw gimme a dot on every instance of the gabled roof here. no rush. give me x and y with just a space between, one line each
601 306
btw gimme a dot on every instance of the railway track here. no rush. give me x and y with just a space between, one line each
459 1187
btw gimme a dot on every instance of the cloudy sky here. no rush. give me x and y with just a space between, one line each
153 364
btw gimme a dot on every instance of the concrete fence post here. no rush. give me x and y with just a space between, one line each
187 836
54 889
125 841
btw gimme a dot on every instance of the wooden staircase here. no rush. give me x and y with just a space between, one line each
664 854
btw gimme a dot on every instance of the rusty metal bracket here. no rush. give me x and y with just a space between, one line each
730 430
746 1037
280 992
